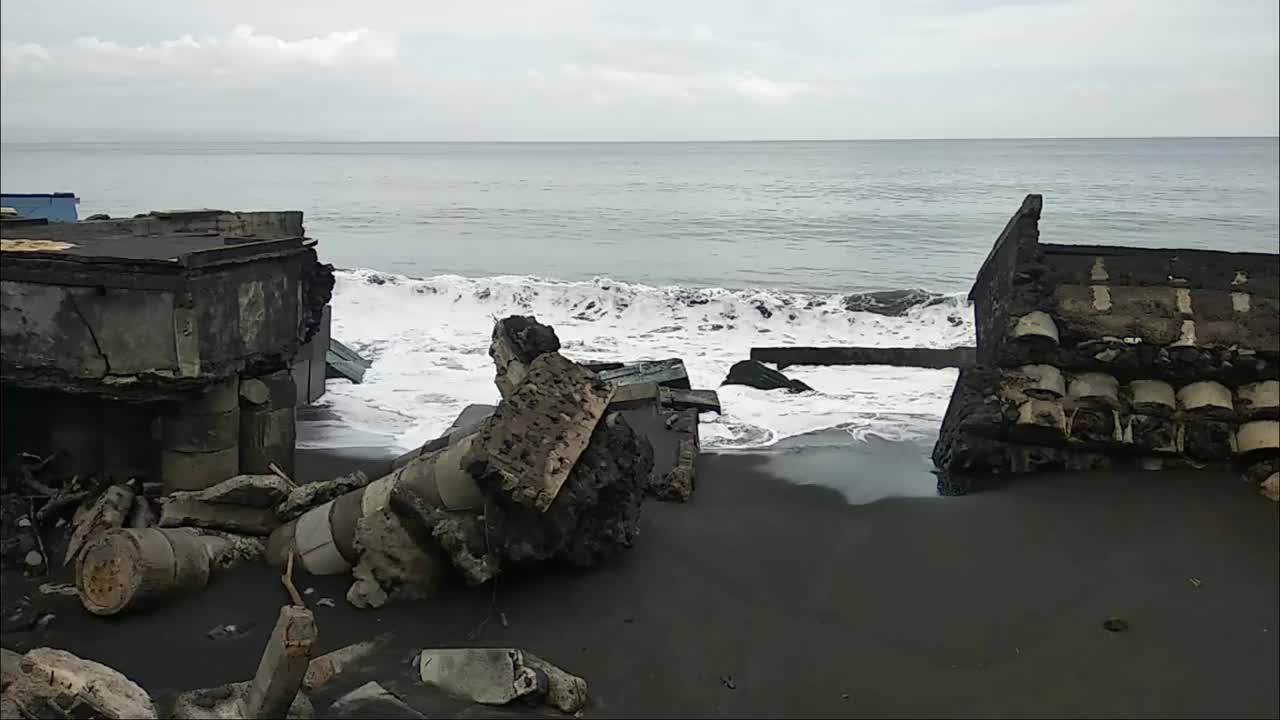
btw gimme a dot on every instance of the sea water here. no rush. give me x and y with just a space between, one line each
652 250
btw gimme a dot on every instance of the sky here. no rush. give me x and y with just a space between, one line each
475 70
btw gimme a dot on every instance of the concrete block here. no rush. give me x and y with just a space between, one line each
1271 487
201 433
493 676
267 437
283 664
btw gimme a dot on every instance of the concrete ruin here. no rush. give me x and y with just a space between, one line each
1092 356
125 343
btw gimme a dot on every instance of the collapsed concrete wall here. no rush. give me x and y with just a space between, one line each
1093 356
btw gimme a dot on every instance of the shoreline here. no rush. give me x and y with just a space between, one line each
987 604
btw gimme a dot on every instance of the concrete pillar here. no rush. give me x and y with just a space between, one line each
200 439
268 423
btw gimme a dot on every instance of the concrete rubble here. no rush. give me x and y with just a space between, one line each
50 683
498 676
371 700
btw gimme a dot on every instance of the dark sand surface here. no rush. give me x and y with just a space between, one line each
990 604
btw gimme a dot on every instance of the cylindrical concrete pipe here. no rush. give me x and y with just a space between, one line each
1260 400
200 439
1258 435
1040 381
268 423
1152 394
1205 395
1038 324
1095 387
324 536
125 568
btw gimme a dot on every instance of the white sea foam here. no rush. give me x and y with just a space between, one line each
429 338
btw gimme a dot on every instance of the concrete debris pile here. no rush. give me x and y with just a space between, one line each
1092 357
49 683
54 684
552 474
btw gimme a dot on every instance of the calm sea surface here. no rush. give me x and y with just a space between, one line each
822 216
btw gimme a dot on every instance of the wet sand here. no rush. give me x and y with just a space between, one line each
763 597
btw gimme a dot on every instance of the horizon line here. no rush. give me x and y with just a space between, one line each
213 138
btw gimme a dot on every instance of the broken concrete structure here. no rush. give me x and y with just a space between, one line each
1094 356
50 683
124 341
497 676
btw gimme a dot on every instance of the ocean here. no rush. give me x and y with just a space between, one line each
650 250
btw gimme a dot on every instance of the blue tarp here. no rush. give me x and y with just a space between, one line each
54 207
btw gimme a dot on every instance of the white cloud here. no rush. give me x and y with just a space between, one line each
599 69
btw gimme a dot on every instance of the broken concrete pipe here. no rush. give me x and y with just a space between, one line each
1045 414
1259 401
126 568
324 537
201 438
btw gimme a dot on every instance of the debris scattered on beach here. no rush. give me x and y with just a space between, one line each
498 676
50 683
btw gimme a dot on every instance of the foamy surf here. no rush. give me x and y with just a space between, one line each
428 339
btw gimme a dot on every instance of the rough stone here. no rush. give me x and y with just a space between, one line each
565 692
892 302
310 495
54 683
757 375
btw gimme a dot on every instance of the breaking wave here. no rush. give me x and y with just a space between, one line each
428 339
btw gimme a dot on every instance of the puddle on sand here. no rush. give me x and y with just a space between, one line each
863 471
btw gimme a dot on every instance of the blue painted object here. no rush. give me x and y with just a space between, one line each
54 207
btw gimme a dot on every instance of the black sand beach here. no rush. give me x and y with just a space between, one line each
762 597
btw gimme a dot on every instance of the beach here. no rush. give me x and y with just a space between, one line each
768 597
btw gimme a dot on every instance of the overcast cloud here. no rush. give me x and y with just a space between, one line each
640 69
